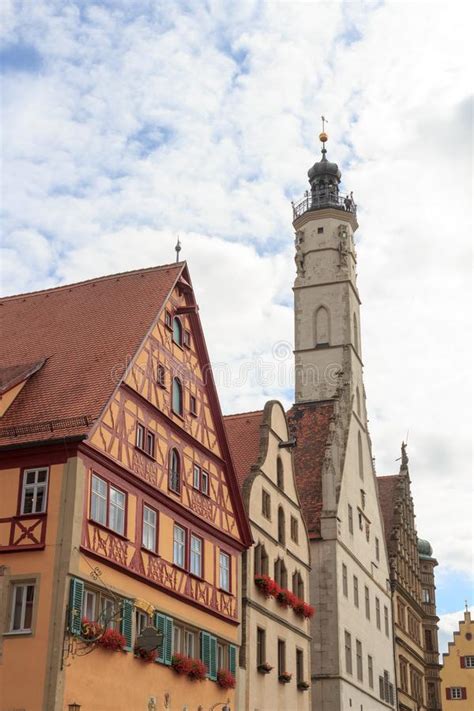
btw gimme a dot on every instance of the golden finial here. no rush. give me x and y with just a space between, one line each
323 136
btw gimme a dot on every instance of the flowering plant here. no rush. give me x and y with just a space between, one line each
90 631
112 640
146 654
284 677
225 679
265 668
180 663
197 670
308 610
303 685
194 669
284 597
266 585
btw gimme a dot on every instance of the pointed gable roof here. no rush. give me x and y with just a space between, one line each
388 490
310 424
87 332
243 434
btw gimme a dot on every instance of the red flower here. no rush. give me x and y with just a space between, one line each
145 654
266 585
112 640
192 668
180 663
308 610
197 670
90 631
225 679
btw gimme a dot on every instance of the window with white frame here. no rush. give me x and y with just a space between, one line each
107 505
142 620
196 556
149 529
23 597
179 546
174 474
196 477
224 571
189 638
99 500
35 486
116 510
89 603
469 662
176 639
455 692
97 607
204 482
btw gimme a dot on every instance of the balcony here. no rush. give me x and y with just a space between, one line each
323 199
22 533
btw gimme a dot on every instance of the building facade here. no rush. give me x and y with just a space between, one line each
352 643
413 596
274 666
457 673
121 518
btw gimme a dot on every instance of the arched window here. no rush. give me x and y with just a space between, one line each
280 477
281 525
358 410
261 560
177 331
298 585
322 326
360 456
280 575
177 397
174 474
356 333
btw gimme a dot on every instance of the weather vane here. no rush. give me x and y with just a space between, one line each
178 249
323 136
324 120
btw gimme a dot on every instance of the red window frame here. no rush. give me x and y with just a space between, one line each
146 434
186 338
168 319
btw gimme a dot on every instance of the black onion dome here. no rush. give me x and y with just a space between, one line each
324 169
424 548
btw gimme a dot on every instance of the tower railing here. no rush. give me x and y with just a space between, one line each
322 199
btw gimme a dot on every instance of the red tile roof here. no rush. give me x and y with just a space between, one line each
87 332
310 424
387 486
243 435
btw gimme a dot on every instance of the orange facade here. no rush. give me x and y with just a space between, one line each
139 524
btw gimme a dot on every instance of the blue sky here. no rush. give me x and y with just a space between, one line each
126 124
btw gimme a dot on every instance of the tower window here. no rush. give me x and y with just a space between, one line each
322 326
320 230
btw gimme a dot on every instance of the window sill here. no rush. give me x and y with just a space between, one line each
19 633
108 530
176 414
173 491
179 567
145 453
193 414
227 592
197 577
153 553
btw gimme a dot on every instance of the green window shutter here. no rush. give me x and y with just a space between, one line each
232 658
76 593
206 650
126 625
168 642
160 624
213 658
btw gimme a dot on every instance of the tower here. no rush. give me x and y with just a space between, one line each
352 637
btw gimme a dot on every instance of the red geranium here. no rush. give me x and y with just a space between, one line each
112 640
90 631
197 670
180 663
308 610
145 654
266 585
225 679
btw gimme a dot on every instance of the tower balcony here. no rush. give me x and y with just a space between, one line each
323 199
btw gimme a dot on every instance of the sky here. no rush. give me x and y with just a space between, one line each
126 124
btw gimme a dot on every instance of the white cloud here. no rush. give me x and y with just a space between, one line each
142 123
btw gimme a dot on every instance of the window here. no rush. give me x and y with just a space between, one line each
107 505
361 457
456 692
429 641
196 477
294 529
344 580
177 397
174 478
281 525
204 482
401 614
281 657
187 339
176 638
468 662
280 573
196 556
403 674
179 546
322 327
377 612
224 571
299 666
141 621
426 595
168 320
266 504
361 521
350 518
377 549
177 331
356 592
89 605
367 603
348 650
192 405
22 607
261 560
189 638
280 479
140 436
320 230
150 443
149 529
370 670
385 617
386 688
261 654
360 672
161 376
417 685
298 585
35 485
221 656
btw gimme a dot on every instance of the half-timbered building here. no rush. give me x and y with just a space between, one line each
121 513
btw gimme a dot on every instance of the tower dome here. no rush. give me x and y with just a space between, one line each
425 549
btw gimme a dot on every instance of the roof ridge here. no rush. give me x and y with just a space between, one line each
387 476
243 414
105 277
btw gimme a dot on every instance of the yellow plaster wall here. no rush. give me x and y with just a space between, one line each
452 674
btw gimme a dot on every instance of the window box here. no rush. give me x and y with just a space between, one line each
303 685
194 669
91 631
145 654
266 585
264 668
284 677
112 640
225 679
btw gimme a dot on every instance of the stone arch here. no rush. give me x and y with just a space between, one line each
322 326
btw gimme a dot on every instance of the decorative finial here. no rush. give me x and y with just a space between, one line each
466 605
178 249
323 136
404 457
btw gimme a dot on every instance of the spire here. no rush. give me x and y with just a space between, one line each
177 249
